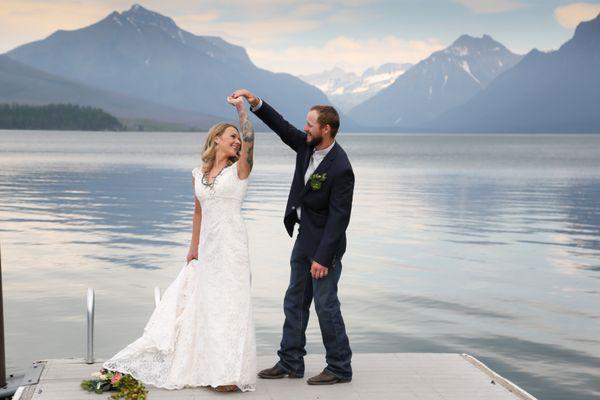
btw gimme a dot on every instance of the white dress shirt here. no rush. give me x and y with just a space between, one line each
315 159
259 105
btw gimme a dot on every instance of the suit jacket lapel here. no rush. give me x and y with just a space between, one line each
307 156
322 167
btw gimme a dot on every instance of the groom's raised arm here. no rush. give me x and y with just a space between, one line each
289 134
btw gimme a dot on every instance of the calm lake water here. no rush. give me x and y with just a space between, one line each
483 244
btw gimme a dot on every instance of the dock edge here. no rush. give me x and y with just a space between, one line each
505 383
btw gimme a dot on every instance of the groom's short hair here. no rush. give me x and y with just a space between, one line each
328 116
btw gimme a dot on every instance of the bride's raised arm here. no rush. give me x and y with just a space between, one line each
246 161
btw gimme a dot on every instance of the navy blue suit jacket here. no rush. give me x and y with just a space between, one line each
325 212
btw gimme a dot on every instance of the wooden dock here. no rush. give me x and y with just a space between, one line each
385 376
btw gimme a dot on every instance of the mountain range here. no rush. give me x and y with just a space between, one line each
23 84
348 89
446 79
143 54
557 91
140 64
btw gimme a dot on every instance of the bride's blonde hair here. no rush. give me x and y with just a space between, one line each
210 146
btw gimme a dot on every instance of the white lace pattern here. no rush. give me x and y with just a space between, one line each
202 331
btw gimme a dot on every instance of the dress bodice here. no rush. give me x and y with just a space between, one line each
226 194
221 208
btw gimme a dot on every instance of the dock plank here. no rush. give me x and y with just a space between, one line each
381 376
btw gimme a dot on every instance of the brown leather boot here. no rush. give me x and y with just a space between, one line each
276 373
326 378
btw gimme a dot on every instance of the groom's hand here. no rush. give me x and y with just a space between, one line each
318 271
252 99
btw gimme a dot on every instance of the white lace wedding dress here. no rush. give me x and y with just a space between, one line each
202 331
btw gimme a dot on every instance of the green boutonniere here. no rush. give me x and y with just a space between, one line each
316 180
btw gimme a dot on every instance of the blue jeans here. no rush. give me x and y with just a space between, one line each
296 306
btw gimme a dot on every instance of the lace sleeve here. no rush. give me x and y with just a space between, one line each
197 173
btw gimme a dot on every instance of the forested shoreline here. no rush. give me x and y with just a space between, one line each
57 117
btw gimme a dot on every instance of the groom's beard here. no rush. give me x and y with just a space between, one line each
316 140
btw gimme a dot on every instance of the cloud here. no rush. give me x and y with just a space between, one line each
197 19
25 21
491 6
311 9
571 15
347 53
283 21
253 32
257 22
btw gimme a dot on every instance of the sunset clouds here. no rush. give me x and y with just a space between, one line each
572 14
25 21
492 6
308 36
348 53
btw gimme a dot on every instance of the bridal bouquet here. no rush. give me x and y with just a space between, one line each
127 387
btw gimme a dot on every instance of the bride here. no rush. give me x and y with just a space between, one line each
202 332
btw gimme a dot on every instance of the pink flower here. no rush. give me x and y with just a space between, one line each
116 378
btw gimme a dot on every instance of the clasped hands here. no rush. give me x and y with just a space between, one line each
237 102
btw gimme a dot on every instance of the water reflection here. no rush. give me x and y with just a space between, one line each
484 244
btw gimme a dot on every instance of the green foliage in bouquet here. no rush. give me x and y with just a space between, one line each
125 385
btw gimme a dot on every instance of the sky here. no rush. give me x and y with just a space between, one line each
302 37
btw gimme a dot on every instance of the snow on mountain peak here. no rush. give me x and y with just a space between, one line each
346 89
467 45
465 66
138 9
141 18
143 15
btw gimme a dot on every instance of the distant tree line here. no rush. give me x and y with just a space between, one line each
57 116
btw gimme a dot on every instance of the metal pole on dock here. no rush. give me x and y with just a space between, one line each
2 357
90 326
156 296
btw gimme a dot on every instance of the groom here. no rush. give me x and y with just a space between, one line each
320 201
